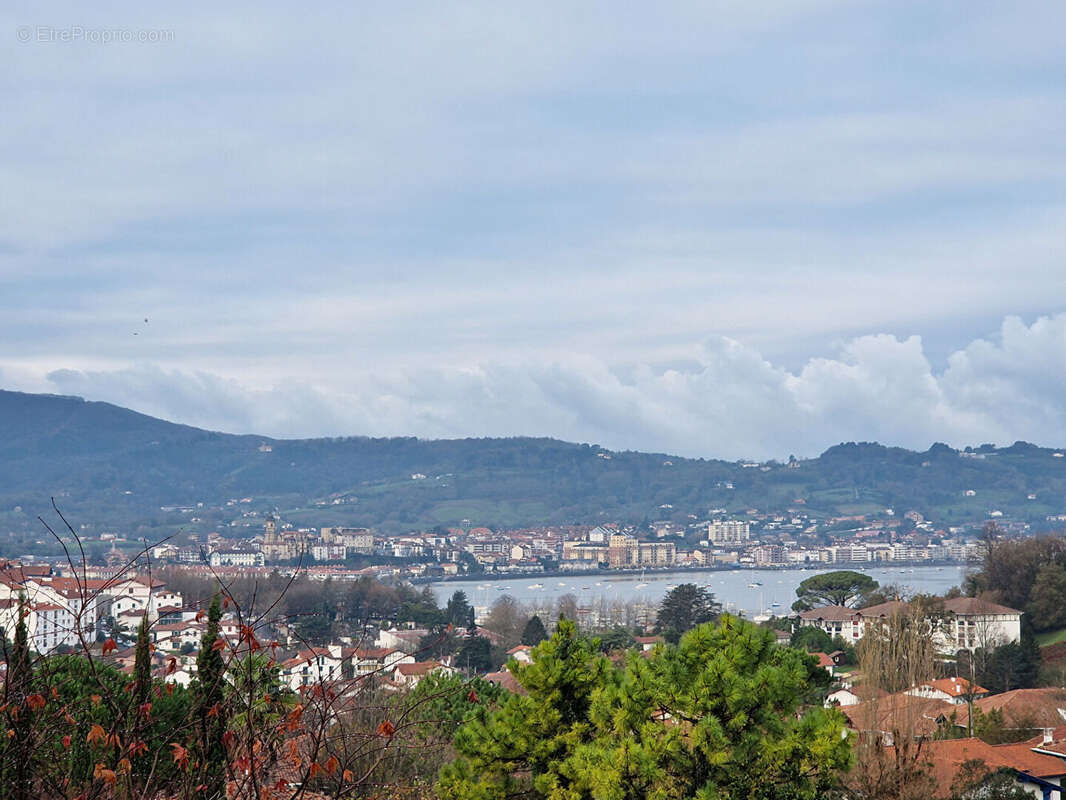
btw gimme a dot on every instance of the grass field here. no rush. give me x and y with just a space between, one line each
1051 637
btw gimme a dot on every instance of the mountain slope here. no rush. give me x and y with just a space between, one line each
110 467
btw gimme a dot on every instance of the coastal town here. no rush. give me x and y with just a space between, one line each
759 540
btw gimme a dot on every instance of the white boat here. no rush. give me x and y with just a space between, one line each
536 586
641 586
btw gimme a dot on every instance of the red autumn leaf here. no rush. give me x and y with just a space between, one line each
55 693
181 755
331 765
170 688
315 769
95 698
146 709
138 747
96 734
225 602
109 647
347 775
213 711
200 615
101 773
386 729
114 740
66 742
227 739
218 644
124 765
36 701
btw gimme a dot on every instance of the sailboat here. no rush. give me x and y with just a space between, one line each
642 584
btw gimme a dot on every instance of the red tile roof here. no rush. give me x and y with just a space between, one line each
948 755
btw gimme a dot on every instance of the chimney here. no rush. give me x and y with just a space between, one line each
1049 736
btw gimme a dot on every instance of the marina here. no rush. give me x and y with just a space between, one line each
752 592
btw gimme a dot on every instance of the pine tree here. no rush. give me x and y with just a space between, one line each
17 770
534 633
208 697
142 666
715 717
534 734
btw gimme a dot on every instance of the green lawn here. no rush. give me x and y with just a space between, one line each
1051 637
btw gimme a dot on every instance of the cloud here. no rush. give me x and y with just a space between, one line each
731 403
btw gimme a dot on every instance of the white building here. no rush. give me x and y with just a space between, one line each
729 531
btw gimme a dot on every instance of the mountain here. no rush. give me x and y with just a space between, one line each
110 468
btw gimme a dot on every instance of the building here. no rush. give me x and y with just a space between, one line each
728 531
961 623
957 691
234 557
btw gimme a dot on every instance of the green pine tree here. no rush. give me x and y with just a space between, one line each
18 749
142 666
534 633
715 717
209 695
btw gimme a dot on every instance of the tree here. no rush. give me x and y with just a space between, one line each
208 693
1047 598
18 748
533 633
975 780
684 607
459 612
566 607
615 639
142 665
527 743
715 717
1010 570
438 644
840 588
475 654
811 639
1014 665
506 620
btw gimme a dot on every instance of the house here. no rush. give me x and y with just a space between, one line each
825 661
405 639
648 642
972 623
410 674
961 623
365 661
898 714
311 666
1022 708
521 654
505 680
1036 765
957 691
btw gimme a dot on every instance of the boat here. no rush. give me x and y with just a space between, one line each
754 585
561 583
536 586
775 605
641 586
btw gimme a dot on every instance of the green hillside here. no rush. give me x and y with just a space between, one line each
111 468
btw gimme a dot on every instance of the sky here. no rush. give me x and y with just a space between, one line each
718 229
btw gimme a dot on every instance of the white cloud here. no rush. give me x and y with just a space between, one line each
734 404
